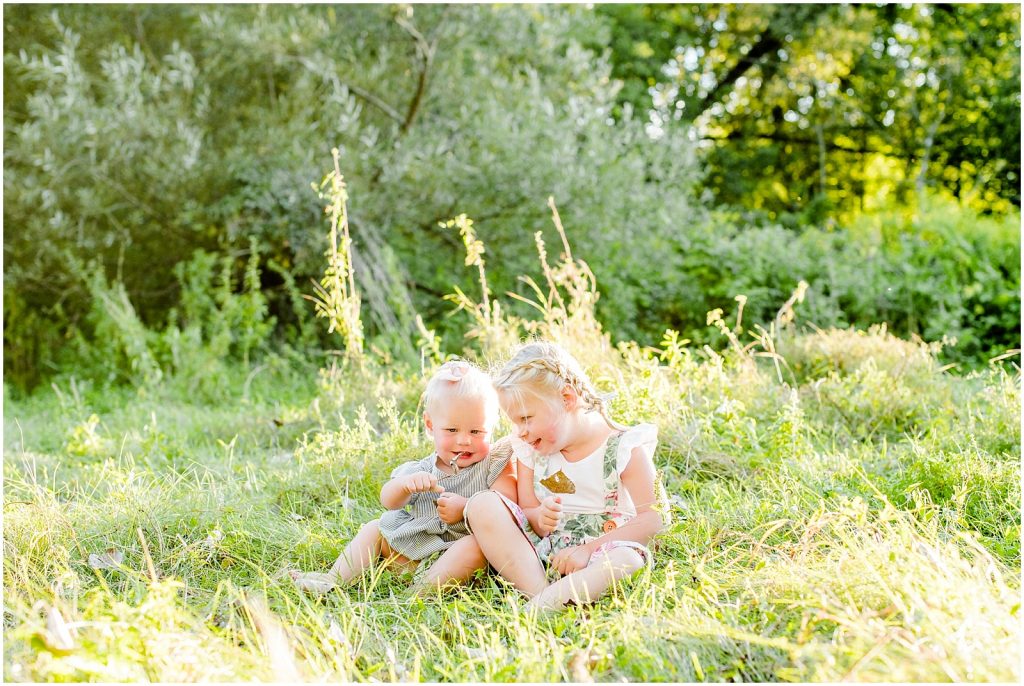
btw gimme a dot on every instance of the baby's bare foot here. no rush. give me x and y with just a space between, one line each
313 582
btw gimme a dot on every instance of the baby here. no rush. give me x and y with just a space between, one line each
426 498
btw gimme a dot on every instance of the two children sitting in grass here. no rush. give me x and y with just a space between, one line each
578 517
426 499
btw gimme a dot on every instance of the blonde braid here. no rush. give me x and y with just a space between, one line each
550 363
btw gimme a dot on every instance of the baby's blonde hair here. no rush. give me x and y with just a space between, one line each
547 368
460 379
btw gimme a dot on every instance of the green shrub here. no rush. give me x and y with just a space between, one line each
946 275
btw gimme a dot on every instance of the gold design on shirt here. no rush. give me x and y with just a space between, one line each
558 483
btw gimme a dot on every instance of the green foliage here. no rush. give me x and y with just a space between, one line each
222 317
123 343
84 440
945 275
805 109
103 160
137 136
32 339
413 159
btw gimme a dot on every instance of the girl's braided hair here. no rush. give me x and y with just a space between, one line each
549 368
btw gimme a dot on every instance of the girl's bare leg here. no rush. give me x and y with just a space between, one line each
589 583
504 544
361 552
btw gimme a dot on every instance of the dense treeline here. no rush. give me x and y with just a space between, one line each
809 109
158 162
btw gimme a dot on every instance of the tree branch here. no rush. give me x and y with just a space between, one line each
425 49
767 42
782 138
375 101
417 98
358 91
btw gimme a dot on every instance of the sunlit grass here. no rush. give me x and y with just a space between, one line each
802 546
841 508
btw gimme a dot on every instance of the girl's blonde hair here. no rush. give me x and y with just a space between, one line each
547 368
460 379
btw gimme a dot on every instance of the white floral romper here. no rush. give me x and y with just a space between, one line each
577 529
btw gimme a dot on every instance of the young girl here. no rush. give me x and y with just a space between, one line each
586 486
425 499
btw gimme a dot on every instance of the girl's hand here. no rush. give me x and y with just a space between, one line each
450 507
421 482
550 515
569 560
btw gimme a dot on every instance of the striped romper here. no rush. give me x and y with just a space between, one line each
416 531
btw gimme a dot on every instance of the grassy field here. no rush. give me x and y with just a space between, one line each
845 510
841 508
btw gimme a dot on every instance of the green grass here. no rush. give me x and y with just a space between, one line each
853 514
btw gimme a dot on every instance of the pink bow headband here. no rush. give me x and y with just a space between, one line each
453 371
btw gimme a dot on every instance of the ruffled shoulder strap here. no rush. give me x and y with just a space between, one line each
645 435
611 454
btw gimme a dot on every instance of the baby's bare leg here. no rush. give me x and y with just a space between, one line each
589 583
359 554
456 564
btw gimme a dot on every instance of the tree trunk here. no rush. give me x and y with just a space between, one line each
822 176
929 142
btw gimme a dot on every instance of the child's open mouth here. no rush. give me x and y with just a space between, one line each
454 463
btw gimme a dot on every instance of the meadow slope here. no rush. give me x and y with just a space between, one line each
841 508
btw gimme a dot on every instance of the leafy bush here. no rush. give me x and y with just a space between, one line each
102 161
845 351
948 274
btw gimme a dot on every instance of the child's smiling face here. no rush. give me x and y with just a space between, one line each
539 421
461 430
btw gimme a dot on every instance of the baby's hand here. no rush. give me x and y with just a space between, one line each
421 482
450 507
550 514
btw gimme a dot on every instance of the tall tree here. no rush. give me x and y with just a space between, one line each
830 105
